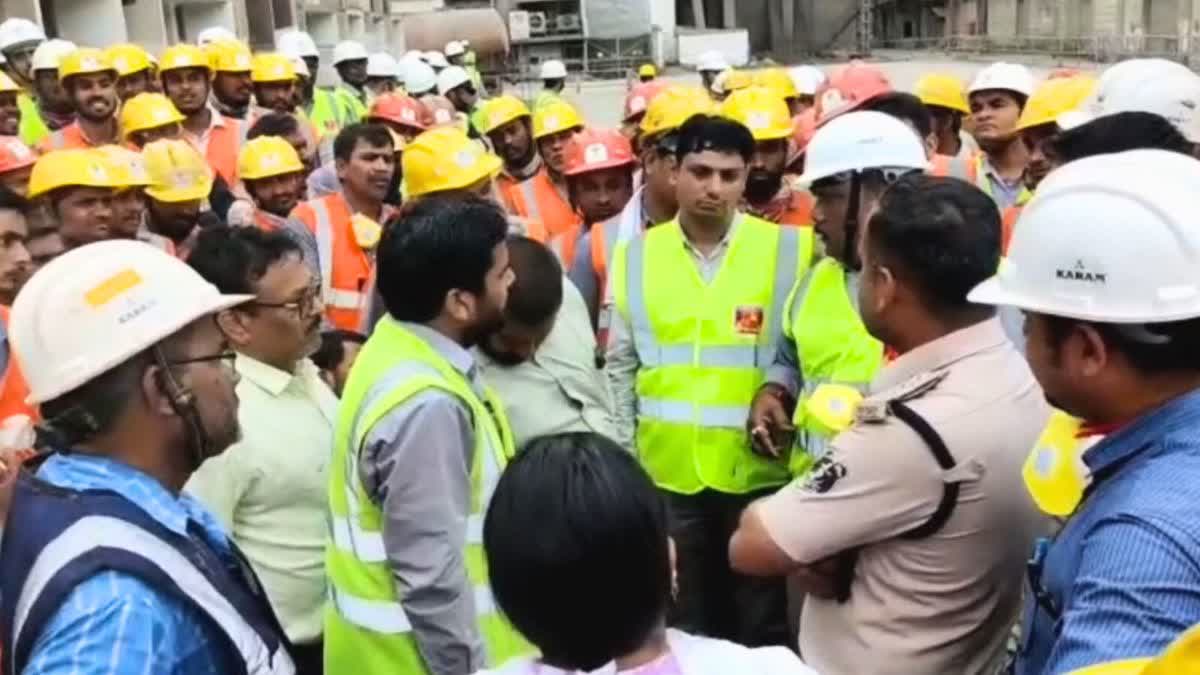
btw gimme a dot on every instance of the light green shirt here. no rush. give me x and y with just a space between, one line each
270 488
560 389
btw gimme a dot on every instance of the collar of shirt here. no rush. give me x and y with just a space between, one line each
721 246
458 356
987 169
940 353
524 173
1180 412
269 378
89 472
215 121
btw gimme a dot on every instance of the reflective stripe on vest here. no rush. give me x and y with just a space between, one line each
529 196
832 346
338 298
92 532
703 349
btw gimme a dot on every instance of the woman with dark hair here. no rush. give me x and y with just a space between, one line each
581 564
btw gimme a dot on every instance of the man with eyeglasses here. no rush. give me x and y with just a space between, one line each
269 488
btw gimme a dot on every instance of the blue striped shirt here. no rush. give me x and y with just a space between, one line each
113 623
1124 572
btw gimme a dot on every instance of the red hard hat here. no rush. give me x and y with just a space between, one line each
640 95
399 109
595 149
804 126
440 111
848 88
14 154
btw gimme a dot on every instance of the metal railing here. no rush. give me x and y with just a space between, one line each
1093 47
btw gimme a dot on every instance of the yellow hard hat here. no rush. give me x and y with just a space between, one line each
7 84
148 111
1181 657
446 159
945 91
555 116
178 172
760 110
496 112
228 56
84 61
70 168
670 109
735 79
127 167
777 80
128 59
272 67
1055 97
268 156
183 56
648 70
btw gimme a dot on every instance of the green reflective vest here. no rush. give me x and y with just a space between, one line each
326 113
832 344
545 97
32 128
353 109
704 349
366 629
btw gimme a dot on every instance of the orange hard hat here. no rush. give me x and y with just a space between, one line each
639 97
14 154
400 109
848 88
804 126
595 149
439 111
1059 73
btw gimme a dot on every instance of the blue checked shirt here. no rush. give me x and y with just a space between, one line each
113 623
1123 575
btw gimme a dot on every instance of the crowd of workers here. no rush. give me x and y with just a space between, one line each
794 372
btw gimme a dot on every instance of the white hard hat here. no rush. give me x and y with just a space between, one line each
1164 88
455 48
381 64
300 66
297 43
712 60
1111 238
17 31
413 54
1006 76
49 53
215 34
454 76
419 77
554 70
349 50
95 307
808 79
436 59
861 140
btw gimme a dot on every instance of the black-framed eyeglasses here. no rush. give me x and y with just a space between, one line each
226 358
304 306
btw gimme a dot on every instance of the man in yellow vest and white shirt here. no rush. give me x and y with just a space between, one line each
699 306
419 444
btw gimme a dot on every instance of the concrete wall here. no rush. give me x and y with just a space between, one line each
97 23
1002 18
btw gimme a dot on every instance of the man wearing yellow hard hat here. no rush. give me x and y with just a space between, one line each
90 80
508 124
146 118
187 75
273 175
180 182
647 72
946 98
275 87
232 86
781 84
129 174
134 70
543 197
77 188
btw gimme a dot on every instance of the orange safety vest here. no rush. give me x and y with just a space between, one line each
563 245
538 199
267 221
1008 221
948 166
14 390
224 142
345 267
797 212
69 137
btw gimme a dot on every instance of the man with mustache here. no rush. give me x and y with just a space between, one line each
90 81
766 115
997 96
269 488
543 195
187 80
78 188
180 181
232 86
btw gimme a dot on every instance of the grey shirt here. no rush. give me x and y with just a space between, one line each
416 464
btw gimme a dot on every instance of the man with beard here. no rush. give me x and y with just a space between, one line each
508 124
129 201
997 96
543 197
15 263
274 79
765 114
232 86
77 187
339 232
542 361
180 181
704 296
273 176
420 441
53 109
269 488
134 70
89 79
320 104
120 350
186 77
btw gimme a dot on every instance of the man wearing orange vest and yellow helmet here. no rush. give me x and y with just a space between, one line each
187 80
77 186
89 79
338 232
768 195
134 70
146 118
544 196
232 84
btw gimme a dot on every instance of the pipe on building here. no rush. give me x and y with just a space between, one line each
483 27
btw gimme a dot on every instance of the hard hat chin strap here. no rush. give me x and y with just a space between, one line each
183 402
850 246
